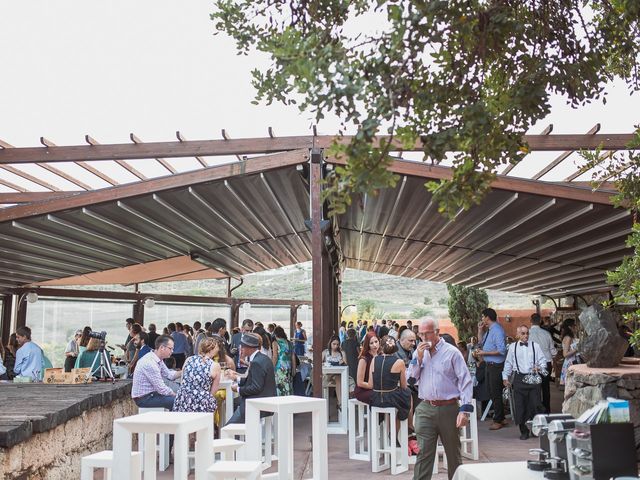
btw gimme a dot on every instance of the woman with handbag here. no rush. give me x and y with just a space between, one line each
523 369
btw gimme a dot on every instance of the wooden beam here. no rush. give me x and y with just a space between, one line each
28 197
547 130
133 296
249 146
131 151
512 184
120 192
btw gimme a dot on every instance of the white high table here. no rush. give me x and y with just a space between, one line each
497 471
341 426
180 424
228 401
285 408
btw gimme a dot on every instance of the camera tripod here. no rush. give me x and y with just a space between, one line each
103 372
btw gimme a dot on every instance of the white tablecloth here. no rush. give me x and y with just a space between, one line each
497 471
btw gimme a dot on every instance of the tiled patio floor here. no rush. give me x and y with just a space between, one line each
495 446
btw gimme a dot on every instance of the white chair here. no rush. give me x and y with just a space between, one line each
245 470
469 439
162 443
359 430
104 460
384 452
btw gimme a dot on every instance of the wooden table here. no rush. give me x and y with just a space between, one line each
180 424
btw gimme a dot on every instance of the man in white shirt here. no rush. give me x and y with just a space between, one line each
524 360
545 340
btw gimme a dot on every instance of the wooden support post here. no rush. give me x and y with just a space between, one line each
7 305
235 314
138 312
317 248
21 311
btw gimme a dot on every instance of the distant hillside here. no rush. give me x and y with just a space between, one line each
395 296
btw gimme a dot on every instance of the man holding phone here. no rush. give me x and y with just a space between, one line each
493 351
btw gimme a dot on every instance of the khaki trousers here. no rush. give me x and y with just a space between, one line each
430 423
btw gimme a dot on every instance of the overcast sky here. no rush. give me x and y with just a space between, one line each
76 67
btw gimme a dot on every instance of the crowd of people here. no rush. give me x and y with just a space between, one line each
428 377
184 370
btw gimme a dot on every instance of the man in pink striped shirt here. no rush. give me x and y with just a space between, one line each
149 389
446 391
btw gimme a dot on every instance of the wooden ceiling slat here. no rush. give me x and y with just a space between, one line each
92 141
199 159
135 139
562 157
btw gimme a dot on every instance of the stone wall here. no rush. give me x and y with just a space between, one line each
587 386
56 454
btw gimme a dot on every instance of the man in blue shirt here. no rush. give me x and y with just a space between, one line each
180 343
493 351
28 356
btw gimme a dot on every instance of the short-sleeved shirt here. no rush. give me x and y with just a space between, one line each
180 342
494 340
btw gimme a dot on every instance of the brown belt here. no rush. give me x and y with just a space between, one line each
442 403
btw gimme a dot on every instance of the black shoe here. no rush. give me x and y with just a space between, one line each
524 436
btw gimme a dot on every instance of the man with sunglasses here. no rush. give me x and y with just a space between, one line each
149 389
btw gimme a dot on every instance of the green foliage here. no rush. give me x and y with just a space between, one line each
443 301
366 309
624 170
465 307
468 77
427 301
419 312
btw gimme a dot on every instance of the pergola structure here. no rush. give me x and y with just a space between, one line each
253 214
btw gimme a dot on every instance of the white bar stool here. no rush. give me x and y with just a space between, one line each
236 431
227 448
246 470
469 438
162 443
359 430
384 453
104 460
439 452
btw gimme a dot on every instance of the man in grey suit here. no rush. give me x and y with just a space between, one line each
260 380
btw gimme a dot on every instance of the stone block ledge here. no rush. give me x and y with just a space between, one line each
31 408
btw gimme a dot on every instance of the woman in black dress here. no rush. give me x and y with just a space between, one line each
388 380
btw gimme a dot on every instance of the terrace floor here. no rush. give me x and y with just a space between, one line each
495 446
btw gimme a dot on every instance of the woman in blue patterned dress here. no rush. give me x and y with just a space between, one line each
200 380
281 355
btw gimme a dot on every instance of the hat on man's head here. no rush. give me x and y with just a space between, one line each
250 340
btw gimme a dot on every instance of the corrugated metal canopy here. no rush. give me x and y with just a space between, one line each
517 242
236 226
526 236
